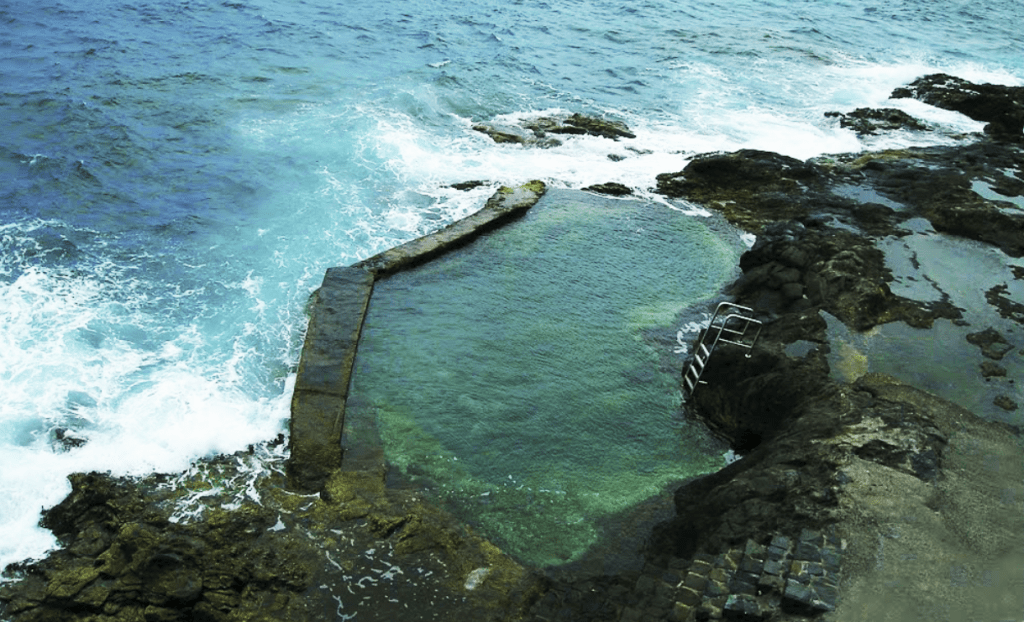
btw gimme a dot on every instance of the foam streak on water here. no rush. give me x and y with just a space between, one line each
175 177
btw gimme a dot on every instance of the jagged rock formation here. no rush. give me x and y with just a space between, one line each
1002 107
357 548
868 121
537 132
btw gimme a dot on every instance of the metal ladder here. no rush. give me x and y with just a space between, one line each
728 325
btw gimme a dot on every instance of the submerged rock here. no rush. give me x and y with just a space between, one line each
992 343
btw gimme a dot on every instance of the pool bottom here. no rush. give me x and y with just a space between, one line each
520 381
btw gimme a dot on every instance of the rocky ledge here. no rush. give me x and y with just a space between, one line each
856 496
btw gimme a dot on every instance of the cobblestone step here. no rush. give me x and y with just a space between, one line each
796 575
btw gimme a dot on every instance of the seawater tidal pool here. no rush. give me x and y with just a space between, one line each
526 381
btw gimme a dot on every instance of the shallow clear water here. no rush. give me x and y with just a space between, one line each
519 377
176 176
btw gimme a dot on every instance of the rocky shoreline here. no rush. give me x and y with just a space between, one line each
857 495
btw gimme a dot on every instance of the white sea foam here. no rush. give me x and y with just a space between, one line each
75 362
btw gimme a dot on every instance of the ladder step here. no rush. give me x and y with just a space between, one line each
726 326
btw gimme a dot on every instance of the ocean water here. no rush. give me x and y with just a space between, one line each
176 176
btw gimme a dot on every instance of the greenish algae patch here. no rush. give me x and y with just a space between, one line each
516 380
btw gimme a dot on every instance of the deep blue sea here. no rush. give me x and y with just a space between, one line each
175 177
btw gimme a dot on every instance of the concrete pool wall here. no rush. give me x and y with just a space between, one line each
317 422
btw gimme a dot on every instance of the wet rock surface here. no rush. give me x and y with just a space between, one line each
1002 107
867 121
356 550
611 188
542 131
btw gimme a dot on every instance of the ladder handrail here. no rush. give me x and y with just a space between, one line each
696 366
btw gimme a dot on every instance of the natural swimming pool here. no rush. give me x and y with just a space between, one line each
525 380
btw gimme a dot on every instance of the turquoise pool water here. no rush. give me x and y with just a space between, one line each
522 380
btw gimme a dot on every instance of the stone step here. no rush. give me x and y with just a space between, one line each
751 583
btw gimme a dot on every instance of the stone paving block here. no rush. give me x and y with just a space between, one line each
828 579
814 569
807 551
704 557
826 595
797 596
743 587
798 571
780 542
681 613
774 567
769 582
802 599
811 536
709 610
742 608
751 564
831 559
720 574
732 559
754 550
700 567
688 596
716 588
832 537
695 582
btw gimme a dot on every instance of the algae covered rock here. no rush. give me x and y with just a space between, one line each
259 552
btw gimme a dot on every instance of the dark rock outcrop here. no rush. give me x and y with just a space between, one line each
1002 107
750 187
992 343
793 267
541 131
281 556
867 121
580 124
611 188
